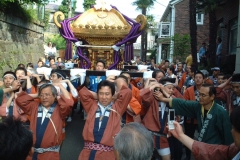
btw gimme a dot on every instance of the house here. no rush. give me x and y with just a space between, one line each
175 20
228 29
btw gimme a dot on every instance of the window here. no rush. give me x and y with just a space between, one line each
164 29
233 36
199 18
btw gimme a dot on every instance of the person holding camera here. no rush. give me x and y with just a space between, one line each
213 121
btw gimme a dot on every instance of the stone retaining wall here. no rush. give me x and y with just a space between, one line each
20 42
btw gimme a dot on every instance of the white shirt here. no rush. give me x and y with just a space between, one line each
163 107
45 111
103 109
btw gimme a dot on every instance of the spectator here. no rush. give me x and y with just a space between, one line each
15 140
134 141
189 60
202 55
219 51
203 151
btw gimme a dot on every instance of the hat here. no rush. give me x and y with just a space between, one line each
236 78
215 69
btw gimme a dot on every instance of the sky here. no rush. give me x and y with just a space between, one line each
125 7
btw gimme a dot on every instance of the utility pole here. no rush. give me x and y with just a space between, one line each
69 8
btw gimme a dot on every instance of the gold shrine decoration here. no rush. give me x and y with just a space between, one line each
100 27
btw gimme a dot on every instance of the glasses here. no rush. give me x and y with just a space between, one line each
45 95
202 95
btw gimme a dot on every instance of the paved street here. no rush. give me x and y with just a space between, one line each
73 143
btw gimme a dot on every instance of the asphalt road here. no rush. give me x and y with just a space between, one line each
73 142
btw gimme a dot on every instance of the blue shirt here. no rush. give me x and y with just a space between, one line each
219 49
93 82
202 52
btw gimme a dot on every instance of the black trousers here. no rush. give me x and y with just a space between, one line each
189 131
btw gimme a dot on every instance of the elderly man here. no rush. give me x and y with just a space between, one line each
203 151
47 119
213 121
125 144
104 119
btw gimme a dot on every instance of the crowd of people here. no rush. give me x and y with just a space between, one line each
126 118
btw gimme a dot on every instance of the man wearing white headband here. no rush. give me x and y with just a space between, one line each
8 106
231 96
155 118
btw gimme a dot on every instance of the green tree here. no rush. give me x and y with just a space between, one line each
181 47
21 8
64 7
88 3
210 7
143 5
58 40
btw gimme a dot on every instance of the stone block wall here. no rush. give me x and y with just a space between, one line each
20 42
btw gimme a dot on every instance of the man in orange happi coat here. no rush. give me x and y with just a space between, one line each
103 121
47 119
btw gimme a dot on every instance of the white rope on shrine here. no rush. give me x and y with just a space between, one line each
79 44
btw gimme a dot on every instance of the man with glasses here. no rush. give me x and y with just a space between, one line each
192 93
213 121
47 119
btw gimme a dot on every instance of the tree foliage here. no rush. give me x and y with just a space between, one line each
143 5
58 40
181 47
64 7
20 8
88 3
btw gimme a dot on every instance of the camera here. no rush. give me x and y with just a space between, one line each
171 119
157 89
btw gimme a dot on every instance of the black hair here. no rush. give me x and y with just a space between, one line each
199 72
15 139
220 74
58 58
166 60
236 77
101 61
165 80
171 68
10 72
227 76
21 68
235 118
106 83
30 65
212 89
123 77
60 72
124 72
21 65
155 73
219 39
193 69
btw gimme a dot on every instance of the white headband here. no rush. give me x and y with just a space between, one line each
59 75
235 82
9 75
168 83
